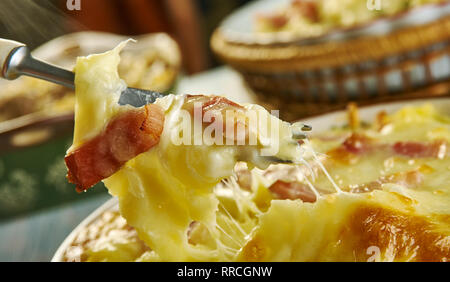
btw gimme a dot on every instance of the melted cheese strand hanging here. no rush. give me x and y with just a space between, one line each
311 186
322 167
238 227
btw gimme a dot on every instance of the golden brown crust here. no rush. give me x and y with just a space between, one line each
404 237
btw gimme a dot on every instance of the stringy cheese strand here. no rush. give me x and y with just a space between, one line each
316 159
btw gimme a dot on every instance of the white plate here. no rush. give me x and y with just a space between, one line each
319 123
239 26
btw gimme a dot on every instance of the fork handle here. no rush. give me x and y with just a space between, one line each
16 60
6 48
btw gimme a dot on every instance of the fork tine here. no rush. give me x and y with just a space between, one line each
302 126
299 135
276 160
306 127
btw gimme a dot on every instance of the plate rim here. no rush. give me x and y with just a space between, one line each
110 204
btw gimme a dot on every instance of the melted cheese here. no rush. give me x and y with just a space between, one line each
163 191
344 227
96 76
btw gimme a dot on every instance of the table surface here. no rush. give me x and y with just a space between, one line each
36 237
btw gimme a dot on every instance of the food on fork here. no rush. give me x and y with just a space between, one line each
193 178
126 136
107 134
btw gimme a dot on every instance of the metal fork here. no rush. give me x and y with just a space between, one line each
16 60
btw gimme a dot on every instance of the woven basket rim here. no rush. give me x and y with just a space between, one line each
288 109
275 58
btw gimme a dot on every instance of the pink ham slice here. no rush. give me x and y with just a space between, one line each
292 191
230 113
277 21
216 104
125 137
437 149
409 179
359 144
307 9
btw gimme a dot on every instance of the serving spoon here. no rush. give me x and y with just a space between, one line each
16 60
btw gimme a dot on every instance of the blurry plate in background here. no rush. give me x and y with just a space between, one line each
391 58
240 27
152 62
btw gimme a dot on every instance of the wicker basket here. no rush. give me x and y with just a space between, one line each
401 57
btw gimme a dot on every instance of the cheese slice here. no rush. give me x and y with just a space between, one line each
96 76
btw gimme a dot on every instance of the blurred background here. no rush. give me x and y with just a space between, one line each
189 22
305 59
